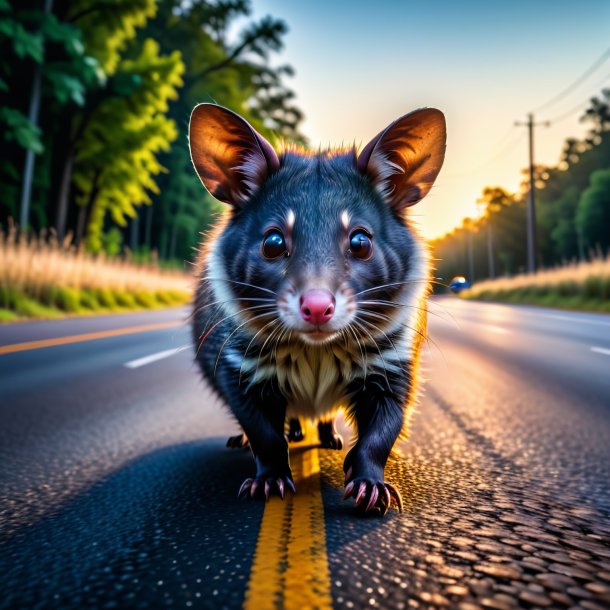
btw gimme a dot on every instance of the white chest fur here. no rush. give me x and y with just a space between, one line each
312 377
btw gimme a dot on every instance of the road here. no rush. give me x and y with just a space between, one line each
116 489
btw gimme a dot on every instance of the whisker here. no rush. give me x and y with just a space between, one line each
380 287
261 315
363 352
207 333
249 345
262 299
385 303
400 360
260 353
362 325
225 279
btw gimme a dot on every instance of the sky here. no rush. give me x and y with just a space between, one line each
361 64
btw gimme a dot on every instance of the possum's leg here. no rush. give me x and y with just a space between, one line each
261 412
379 413
328 435
295 432
240 441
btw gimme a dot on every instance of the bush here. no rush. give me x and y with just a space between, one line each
105 298
88 300
124 299
68 299
146 299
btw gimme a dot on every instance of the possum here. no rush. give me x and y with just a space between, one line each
311 291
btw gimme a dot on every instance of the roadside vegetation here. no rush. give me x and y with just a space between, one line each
43 277
573 224
118 81
583 286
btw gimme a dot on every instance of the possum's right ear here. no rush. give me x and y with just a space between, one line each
231 158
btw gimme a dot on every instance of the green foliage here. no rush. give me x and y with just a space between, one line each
573 211
593 213
109 26
115 168
118 82
20 129
56 301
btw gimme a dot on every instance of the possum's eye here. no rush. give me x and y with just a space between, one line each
361 244
274 244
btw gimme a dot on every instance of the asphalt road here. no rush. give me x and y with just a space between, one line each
116 490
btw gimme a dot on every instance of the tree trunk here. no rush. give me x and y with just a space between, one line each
490 252
135 234
64 195
148 228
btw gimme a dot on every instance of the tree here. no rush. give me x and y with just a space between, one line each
107 27
593 212
32 41
233 74
115 168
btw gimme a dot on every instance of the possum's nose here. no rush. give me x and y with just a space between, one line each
317 306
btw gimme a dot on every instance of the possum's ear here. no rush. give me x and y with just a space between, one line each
231 158
404 159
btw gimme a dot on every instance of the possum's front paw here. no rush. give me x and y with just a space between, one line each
373 495
333 441
364 481
329 437
266 485
295 432
238 442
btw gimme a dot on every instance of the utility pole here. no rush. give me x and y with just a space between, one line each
490 250
28 170
471 254
531 198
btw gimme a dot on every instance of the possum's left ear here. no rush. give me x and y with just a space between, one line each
231 158
404 160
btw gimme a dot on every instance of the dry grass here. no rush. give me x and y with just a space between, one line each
583 285
60 276
575 272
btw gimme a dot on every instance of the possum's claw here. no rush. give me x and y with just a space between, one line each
237 442
267 485
372 496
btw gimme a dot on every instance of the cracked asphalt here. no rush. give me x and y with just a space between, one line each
116 490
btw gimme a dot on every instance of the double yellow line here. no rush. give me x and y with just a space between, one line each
290 569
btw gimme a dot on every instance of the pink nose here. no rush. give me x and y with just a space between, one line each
317 306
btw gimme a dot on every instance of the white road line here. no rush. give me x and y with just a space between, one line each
601 350
134 364
495 329
574 318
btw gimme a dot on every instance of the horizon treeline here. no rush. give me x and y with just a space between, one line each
118 80
572 208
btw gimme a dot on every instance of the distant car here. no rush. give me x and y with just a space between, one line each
458 284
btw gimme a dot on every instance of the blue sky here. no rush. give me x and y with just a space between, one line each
359 65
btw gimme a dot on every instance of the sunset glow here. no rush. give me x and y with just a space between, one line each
485 65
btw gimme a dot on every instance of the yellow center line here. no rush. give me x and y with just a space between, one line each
116 332
290 568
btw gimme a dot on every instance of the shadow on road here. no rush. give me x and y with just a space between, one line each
166 527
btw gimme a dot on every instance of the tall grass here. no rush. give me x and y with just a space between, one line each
580 285
42 276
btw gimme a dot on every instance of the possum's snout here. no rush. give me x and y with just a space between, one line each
317 307
317 314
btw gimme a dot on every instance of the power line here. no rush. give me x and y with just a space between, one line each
579 106
594 66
